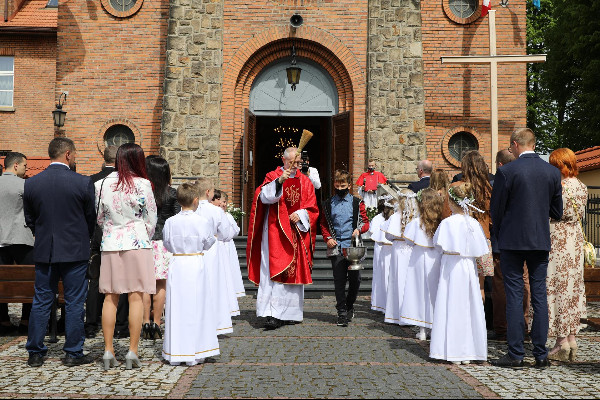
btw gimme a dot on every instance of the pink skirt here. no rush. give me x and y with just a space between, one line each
127 272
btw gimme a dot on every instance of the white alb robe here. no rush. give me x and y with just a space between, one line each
234 261
422 277
225 263
458 331
214 259
274 299
190 321
370 199
382 255
398 266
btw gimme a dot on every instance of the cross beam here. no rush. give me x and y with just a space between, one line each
493 59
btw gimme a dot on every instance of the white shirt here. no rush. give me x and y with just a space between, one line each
527 152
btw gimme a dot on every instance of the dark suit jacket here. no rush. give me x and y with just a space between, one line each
527 192
97 238
420 184
102 174
59 209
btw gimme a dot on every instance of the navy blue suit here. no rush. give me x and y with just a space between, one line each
527 192
420 184
59 208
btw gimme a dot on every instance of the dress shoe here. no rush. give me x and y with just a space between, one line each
350 315
562 354
121 334
90 333
342 320
132 360
109 360
497 337
70 361
542 363
146 331
35 360
506 361
273 323
156 333
573 352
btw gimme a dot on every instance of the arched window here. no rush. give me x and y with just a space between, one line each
118 134
460 143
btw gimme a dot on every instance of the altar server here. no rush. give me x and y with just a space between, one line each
190 320
459 333
423 272
382 255
234 261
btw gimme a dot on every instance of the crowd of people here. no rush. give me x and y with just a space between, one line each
128 247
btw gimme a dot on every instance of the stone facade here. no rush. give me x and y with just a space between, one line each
396 109
191 123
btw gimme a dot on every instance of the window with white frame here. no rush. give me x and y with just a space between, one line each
7 78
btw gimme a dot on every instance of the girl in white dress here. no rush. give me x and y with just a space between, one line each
423 272
458 333
190 319
394 229
382 255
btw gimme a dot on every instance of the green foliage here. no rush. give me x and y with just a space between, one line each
563 94
236 212
371 212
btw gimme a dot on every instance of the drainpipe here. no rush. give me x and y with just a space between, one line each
5 10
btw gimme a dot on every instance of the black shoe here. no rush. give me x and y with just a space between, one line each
273 323
506 361
542 364
90 333
147 331
497 337
342 320
7 330
70 361
156 333
121 334
350 315
35 360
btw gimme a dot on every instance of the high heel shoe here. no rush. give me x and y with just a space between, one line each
562 354
573 352
156 333
132 360
146 331
109 360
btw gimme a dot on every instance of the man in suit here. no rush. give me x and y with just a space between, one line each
424 169
16 240
93 309
59 209
527 192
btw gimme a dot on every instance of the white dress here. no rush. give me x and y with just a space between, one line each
234 262
190 321
422 277
274 299
216 260
459 332
398 266
382 255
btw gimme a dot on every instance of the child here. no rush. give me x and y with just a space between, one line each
213 257
190 321
382 254
394 228
344 217
423 272
458 332
234 262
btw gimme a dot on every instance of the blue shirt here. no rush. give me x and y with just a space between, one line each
341 219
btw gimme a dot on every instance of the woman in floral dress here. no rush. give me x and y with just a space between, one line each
565 286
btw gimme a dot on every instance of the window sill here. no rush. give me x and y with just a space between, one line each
7 109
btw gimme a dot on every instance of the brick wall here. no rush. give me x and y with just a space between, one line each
30 127
458 96
113 69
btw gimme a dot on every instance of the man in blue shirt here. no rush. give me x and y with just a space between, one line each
344 217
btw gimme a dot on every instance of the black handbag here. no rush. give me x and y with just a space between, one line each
93 269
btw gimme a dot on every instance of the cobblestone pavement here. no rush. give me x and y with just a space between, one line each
313 359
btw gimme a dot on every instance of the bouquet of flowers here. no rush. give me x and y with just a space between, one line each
371 212
236 212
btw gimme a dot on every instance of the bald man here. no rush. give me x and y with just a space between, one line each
424 169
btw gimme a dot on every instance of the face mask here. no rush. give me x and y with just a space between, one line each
371 169
341 192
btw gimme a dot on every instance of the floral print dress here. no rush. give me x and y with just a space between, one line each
565 285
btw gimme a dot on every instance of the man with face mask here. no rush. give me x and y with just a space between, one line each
367 184
281 242
344 218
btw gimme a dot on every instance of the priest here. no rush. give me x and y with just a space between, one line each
281 242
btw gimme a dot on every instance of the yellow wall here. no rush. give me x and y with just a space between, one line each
591 178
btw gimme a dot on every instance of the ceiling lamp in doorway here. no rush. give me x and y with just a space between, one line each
293 72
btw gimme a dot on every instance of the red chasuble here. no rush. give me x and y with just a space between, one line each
290 249
370 180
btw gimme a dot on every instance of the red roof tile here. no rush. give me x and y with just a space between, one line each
588 159
33 14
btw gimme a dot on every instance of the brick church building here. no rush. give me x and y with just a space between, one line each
204 83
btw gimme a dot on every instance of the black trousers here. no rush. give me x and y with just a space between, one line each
19 254
341 275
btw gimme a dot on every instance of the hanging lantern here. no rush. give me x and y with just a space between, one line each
293 72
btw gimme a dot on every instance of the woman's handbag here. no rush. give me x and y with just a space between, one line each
589 252
93 269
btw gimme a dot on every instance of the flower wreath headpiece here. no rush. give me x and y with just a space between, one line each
465 203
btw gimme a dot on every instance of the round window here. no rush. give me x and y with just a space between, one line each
122 8
463 8
117 135
460 143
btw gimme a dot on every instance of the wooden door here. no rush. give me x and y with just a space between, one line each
248 167
342 132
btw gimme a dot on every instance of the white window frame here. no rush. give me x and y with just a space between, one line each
11 74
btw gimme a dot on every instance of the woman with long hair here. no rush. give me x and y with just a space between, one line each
564 282
159 174
127 217
439 181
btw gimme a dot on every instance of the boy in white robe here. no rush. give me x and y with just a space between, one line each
458 333
234 261
190 324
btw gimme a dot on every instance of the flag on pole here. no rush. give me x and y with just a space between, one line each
486 7
536 3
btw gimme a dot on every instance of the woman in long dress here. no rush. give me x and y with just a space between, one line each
565 284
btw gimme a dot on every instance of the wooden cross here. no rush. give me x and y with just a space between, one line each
493 59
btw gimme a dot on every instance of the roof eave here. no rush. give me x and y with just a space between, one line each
28 29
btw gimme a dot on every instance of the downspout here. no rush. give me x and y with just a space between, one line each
5 10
